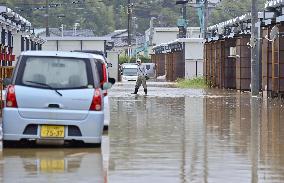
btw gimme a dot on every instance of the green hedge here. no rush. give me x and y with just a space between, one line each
198 82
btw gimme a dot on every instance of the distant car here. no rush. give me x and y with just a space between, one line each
128 72
54 97
102 66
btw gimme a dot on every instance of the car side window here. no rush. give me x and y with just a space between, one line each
96 74
100 70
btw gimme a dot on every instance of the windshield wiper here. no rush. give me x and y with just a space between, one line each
43 84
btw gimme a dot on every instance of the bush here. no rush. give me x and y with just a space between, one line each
198 82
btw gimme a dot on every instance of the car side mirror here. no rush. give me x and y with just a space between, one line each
111 80
107 86
7 81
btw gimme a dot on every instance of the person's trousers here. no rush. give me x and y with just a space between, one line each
141 80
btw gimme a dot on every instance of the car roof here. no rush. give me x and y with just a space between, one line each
61 54
98 54
91 51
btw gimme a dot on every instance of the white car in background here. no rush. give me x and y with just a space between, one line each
102 66
129 72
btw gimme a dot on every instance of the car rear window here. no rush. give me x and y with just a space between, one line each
57 72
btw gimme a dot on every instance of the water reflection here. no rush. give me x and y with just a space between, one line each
52 165
225 138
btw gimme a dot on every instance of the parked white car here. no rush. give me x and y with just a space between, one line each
102 66
54 97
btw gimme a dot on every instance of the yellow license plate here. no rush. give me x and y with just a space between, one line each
52 131
52 165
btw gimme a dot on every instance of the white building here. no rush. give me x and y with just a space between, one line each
75 43
166 34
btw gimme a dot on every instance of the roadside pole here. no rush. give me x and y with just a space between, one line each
46 18
205 19
129 19
254 51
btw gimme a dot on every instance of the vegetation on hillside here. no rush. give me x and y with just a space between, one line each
104 16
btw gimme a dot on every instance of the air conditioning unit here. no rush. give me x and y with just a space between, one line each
233 52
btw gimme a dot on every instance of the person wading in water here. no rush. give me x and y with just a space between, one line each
142 77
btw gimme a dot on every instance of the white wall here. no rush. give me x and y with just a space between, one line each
49 46
193 57
168 34
93 45
164 37
70 45
194 49
193 68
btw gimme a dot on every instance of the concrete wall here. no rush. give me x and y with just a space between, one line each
93 45
49 46
164 37
194 48
193 58
193 68
168 34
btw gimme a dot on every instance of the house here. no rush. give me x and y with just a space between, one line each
119 38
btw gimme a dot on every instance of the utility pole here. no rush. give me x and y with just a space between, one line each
182 23
205 19
254 51
129 15
46 18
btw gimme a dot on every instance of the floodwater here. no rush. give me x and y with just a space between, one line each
178 135
170 136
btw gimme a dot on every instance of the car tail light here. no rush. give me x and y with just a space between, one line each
105 92
104 69
96 104
11 100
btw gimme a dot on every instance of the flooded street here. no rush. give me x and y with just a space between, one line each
171 136
179 135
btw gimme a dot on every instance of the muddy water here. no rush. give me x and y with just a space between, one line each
51 165
176 135
170 136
